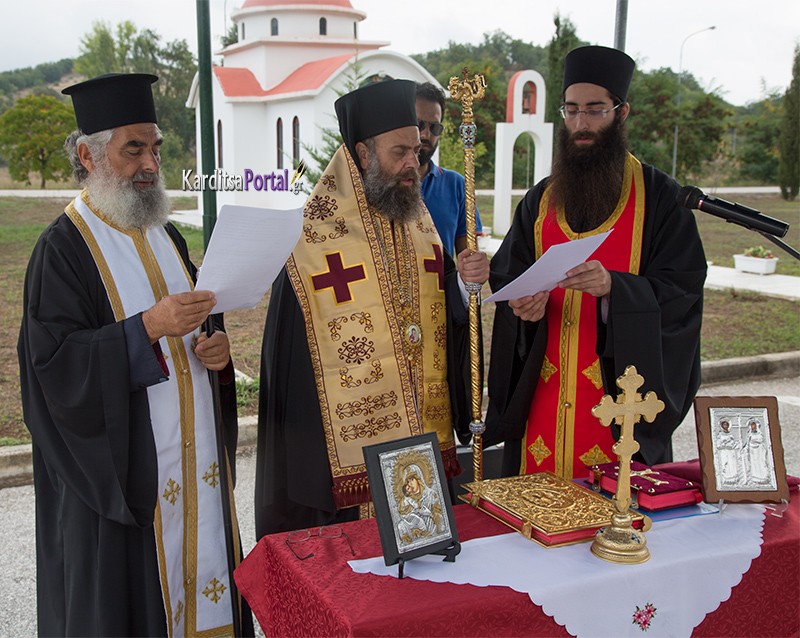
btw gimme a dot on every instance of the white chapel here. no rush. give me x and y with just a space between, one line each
276 89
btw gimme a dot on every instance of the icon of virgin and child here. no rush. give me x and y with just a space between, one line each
419 508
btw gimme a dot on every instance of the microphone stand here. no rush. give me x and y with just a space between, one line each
779 242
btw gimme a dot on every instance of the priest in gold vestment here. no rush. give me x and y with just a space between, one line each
637 301
366 338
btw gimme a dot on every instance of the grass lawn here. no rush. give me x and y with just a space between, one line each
734 323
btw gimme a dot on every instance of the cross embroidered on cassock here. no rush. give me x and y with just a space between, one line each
338 277
436 265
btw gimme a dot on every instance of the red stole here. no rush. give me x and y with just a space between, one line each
562 436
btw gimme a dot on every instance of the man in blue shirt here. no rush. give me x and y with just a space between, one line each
442 189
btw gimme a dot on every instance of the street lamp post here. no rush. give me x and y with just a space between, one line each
678 100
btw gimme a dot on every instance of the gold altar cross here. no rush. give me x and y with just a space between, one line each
626 411
620 543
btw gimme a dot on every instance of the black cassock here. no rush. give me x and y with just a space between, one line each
293 473
654 321
94 456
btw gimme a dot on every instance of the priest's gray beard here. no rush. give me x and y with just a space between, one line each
124 203
587 181
387 195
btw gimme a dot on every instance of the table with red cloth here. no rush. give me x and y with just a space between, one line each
322 596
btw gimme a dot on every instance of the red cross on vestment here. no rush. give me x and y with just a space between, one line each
338 277
436 265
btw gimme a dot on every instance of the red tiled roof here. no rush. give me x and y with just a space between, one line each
271 3
238 82
311 75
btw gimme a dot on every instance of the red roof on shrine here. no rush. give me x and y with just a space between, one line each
238 82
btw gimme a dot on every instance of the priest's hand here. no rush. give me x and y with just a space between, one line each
530 308
178 314
473 267
589 277
214 352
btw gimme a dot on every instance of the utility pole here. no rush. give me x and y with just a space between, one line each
621 26
206 140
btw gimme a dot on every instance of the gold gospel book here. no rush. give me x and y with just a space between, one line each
544 507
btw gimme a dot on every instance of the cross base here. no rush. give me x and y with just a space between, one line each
620 543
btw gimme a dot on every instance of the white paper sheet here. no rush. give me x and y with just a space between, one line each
246 251
550 268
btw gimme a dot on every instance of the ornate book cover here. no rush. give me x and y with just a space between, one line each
545 508
651 489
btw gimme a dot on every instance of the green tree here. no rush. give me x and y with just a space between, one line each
32 135
134 51
651 124
759 132
174 159
231 37
564 40
789 144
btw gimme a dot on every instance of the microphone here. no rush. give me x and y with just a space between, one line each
693 197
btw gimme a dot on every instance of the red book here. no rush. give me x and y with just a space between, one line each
651 490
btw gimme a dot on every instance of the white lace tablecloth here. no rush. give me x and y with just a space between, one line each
694 563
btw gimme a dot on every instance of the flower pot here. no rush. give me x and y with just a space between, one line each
757 265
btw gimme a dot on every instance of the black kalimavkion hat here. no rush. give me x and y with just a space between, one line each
376 108
610 68
113 100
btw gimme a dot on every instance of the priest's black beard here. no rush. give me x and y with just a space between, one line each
588 180
389 197
125 204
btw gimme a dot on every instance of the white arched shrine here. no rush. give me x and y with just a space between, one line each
524 114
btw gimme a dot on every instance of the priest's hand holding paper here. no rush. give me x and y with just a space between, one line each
530 308
473 267
178 314
589 277
214 352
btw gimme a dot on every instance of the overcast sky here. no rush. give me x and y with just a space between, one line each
751 47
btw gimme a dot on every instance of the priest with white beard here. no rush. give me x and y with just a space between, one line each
117 395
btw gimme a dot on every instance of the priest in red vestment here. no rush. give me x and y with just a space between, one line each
637 301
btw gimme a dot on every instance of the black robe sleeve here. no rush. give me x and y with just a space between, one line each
293 476
653 321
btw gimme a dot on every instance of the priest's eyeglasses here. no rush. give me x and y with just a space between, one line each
571 113
436 127
329 532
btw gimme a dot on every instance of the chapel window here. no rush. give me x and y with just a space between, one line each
323 26
279 138
296 140
274 26
219 143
